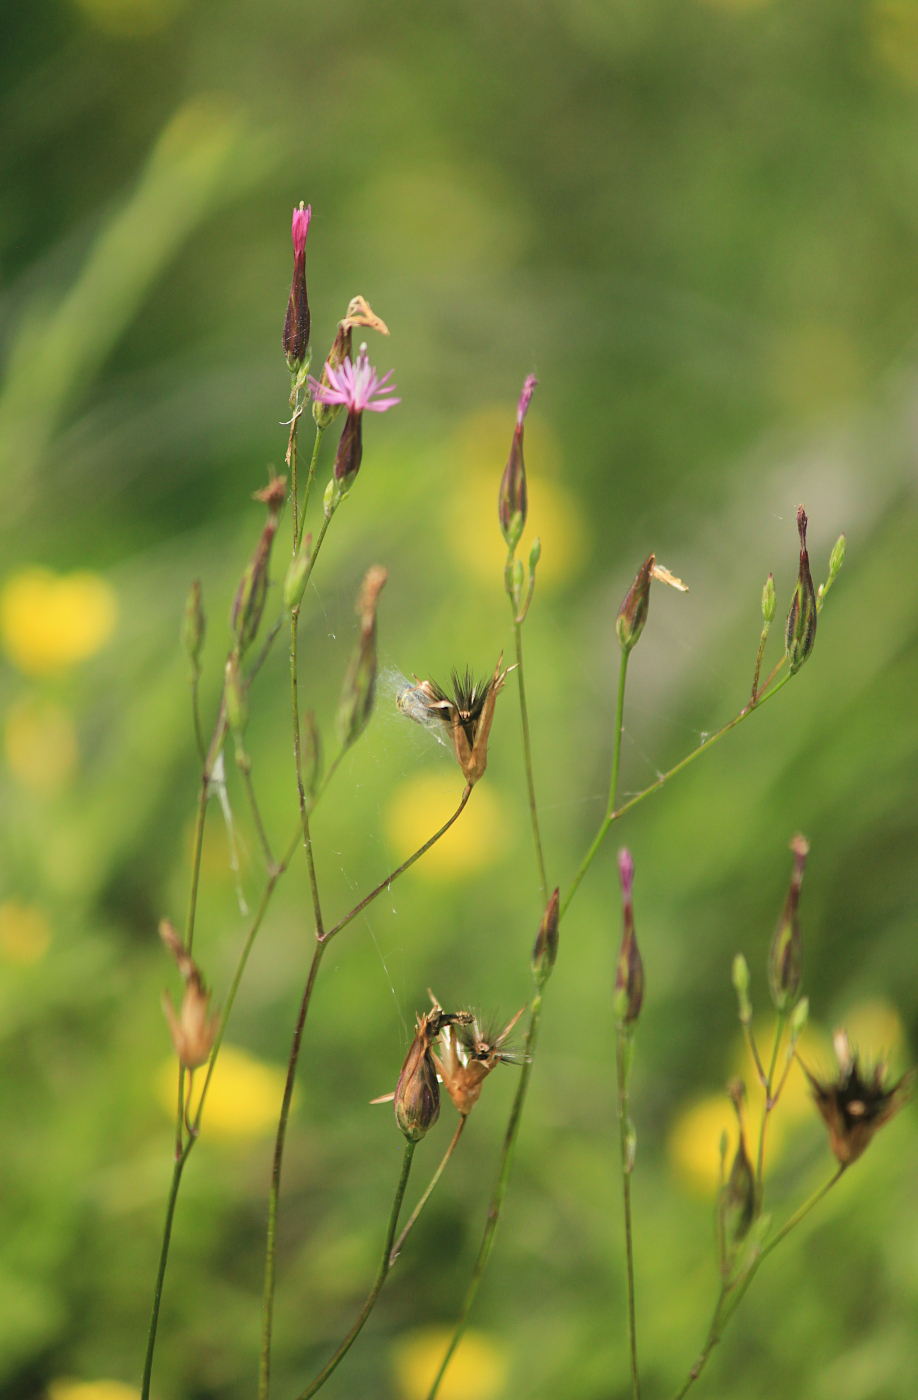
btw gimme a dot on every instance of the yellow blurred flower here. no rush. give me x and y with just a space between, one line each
893 30
41 744
130 19
244 1098
480 452
694 1142
478 1371
49 622
24 932
423 803
91 1390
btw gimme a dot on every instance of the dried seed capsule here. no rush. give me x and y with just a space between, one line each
417 1094
633 612
786 955
512 499
629 976
546 945
856 1104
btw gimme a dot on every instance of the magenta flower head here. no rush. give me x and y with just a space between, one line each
512 501
296 324
359 389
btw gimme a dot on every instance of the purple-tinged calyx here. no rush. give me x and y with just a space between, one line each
296 323
629 976
513 500
800 629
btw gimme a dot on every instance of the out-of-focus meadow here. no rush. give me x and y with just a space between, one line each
697 222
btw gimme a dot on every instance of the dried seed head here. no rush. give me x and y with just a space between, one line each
296 322
856 1104
469 1051
359 689
786 955
546 945
194 626
252 592
800 631
629 976
193 1029
512 499
417 1094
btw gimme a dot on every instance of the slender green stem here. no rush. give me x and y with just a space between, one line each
397 1247
196 713
256 815
732 1295
306 494
264 1370
384 1267
406 865
754 1052
769 1105
527 751
196 864
658 783
626 1165
500 1189
182 1155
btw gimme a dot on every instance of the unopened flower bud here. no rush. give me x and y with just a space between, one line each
296 323
741 984
800 631
836 558
194 627
417 1094
252 592
297 574
768 599
629 976
512 499
799 1017
359 689
786 955
633 612
738 1198
237 709
546 945
535 554
350 451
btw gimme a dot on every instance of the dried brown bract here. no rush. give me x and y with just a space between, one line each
466 713
417 1093
856 1104
193 1028
470 1052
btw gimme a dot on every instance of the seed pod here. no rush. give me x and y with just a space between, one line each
629 976
417 1094
633 612
737 1201
546 945
194 626
252 592
800 631
512 499
786 954
359 689
856 1104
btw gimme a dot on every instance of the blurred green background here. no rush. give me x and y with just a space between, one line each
697 222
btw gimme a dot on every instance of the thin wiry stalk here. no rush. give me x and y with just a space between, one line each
731 1297
397 1247
527 751
626 1200
381 1276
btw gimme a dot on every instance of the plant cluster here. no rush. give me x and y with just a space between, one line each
455 1047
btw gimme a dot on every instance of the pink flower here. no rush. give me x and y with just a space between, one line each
525 396
355 386
300 229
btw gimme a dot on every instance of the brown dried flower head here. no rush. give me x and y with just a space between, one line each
470 1051
417 1094
856 1104
193 1028
466 713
